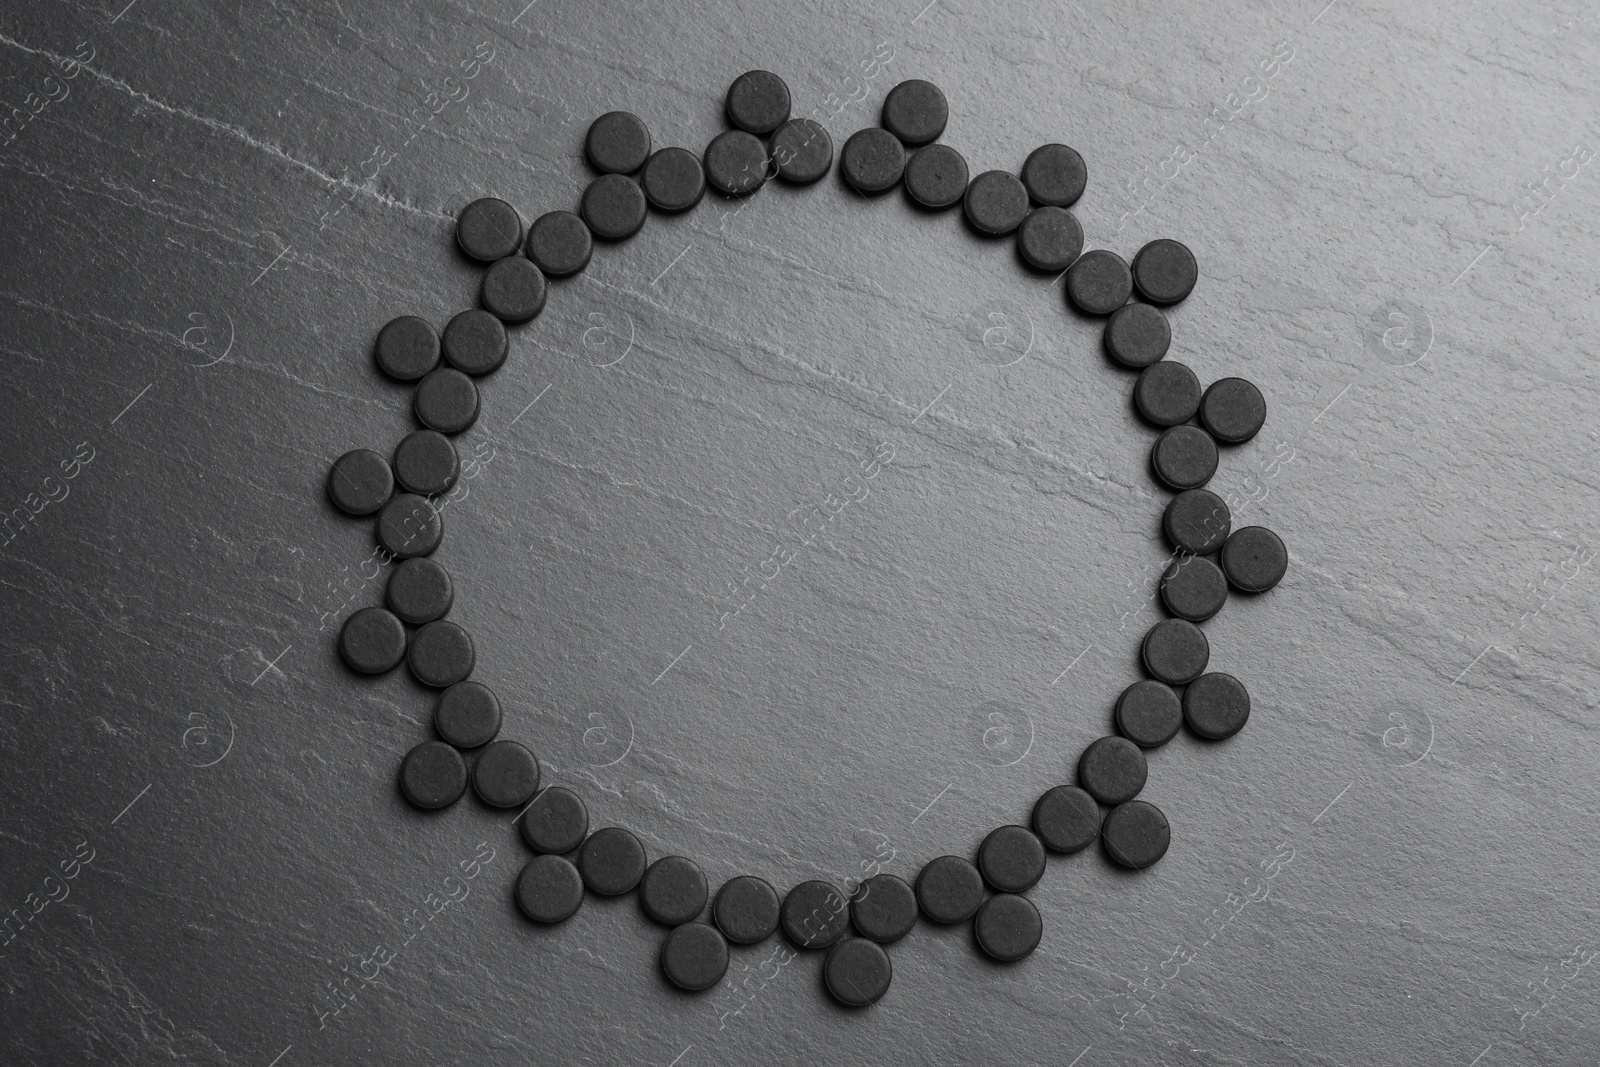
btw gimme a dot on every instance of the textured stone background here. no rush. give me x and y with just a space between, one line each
1393 864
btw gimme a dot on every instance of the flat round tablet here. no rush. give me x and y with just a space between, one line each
758 102
1167 393
475 342
1136 834
513 289
694 957
872 160
884 908
915 111
488 229
446 400
1197 521
1184 457
936 177
410 526
468 715
1175 651
746 909
1193 588
949 890
995 203
419 591
611 861
1216 706
1050 239
360 482
614 207
673 890
549 889
506 774
1233 410
1099 282
802 151
425 462
1137 335
1112 770
557 821
1011 859
1008 927
433 775
1149 713
857 972
1054 175
814 915
372 641
736 163
1066 819
1164 271
1254 559
673 180
441 654
559 243
407 348
618 142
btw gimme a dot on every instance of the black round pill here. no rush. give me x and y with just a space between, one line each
758 102
557 821
1175 651
1184 457
1137 335
673 890
618 142
513 289
1233 410
1054 175
506 774
1165 271
746 909
360 482
949 890
1136 834
857 972
884 908
936 177
1112 770
1149 713
612 861
407 348
736 163
995 203
1197 521
468 715
410 526
433 775
1216 706
559 243
475 342
425 462
1066 819
441 654
420 591
814 915
673 180
446 400
915 111
694 957
872 160
1254 559
1050 239
488 229
1008 927
1011 859
1167 393
802 151
549 889
372 641
614 207
1193 588
1099 282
